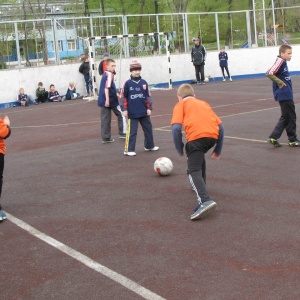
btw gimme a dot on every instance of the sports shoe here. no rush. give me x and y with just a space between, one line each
224 79
2 215
130 153
122 136
155 148
295 143
105 141
230 79
274 142
203 209
202 82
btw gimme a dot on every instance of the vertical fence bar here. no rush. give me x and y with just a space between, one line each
248 29
17 44
217 31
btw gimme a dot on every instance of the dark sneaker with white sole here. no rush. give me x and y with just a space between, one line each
294 143
203 209
274 142
105 141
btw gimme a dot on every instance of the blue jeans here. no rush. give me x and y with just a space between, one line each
88 82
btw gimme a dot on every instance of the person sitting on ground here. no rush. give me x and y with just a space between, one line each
53 95
23 98
41 93
71 92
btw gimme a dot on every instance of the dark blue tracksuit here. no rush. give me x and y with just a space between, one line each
137 100
284 96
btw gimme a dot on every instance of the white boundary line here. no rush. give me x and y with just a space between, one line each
124 281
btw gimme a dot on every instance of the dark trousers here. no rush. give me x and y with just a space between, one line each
1 173
42 98
199 71
106 121
286 122
131 133
227 71
88 82
196 164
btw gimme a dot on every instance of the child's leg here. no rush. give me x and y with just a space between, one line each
195 163
286 111
222 68
227 71
121 119
148 132
131 134
290 116
197 166
105 123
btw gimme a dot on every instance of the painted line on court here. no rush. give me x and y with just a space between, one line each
226 137
124 281
55 125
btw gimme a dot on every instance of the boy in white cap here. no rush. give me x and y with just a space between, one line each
137 106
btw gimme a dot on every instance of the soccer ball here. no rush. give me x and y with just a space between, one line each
206 79
163 166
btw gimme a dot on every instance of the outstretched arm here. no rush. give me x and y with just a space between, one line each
216 154
177 137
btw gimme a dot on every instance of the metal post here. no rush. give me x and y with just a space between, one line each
217 31
55 41
17 44
265 26
254 22
185 33
158 36
274 24
248 29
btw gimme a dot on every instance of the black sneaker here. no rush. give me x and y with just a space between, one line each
274 142
122 136
105 141
203 209
295 143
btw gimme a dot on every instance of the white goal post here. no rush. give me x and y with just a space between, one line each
121 49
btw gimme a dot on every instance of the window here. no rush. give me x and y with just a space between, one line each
60 47
71 44
59 43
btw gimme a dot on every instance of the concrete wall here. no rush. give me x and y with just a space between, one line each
242 62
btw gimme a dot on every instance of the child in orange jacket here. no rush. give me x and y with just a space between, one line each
4 133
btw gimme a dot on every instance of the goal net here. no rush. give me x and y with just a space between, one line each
125 48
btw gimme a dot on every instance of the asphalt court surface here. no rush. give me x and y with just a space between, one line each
86 222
